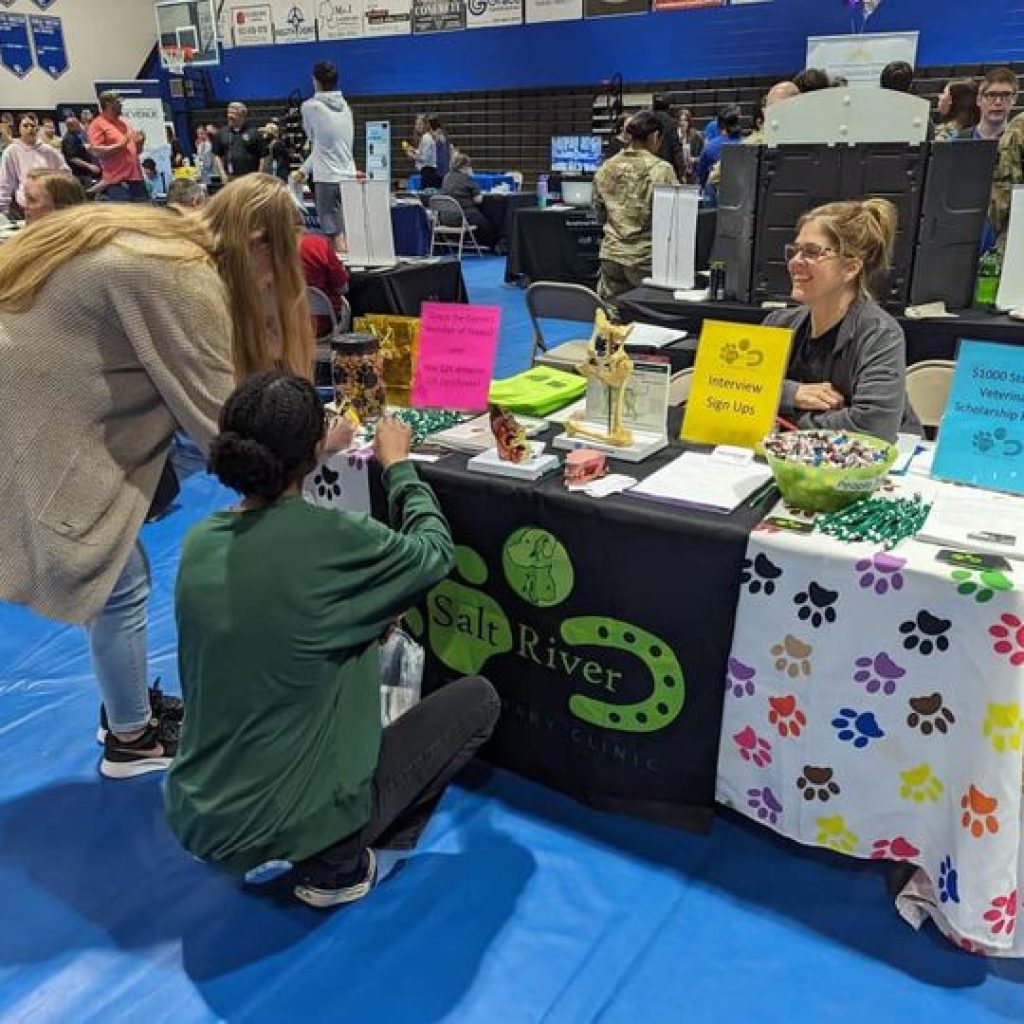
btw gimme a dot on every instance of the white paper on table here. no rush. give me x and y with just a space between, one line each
675 235
653 336
701 481
1011 281
970 519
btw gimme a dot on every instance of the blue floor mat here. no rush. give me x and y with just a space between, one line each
519 906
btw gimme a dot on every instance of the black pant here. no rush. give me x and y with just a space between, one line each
420 754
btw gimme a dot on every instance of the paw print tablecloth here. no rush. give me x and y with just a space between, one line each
875 706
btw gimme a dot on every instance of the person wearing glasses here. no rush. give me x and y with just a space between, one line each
997 101
848 363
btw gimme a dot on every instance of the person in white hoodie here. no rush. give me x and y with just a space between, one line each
328 122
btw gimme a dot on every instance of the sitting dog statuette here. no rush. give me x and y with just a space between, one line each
608 363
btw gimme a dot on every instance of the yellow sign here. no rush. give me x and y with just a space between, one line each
737 383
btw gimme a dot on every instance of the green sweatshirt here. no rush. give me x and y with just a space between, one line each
279 612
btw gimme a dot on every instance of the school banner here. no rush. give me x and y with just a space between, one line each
438 16
48 42
553 10
488 13
388 17
15 48
341 19
294 21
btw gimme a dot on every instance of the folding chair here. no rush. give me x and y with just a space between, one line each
446 234
321 305
928 386
553 300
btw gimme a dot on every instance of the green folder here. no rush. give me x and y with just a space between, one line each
538 392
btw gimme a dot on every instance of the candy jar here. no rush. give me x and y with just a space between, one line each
358 366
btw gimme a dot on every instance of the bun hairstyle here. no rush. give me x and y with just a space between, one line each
270 428
864 230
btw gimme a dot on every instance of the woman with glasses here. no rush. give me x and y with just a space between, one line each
848 361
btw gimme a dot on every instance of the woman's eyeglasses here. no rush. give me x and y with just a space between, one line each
809 253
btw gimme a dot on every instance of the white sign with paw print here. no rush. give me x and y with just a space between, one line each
341 481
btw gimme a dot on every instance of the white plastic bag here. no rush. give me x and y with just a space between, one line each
401 675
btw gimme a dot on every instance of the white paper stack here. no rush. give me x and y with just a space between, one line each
968 519
699 480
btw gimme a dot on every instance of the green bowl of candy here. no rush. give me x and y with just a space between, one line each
826 470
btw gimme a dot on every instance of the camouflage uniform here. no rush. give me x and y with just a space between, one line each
624 197
1009 172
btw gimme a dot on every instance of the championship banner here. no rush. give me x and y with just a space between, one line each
388 17
614 8
15 48
430 16
539 11
142 109
294 21
489 13
341 19
48 42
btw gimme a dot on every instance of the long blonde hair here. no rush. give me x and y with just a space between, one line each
28 260
258 207
863 230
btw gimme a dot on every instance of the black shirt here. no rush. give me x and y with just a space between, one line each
74 148
241 149
811 362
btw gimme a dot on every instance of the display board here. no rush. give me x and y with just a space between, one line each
378 150
860 57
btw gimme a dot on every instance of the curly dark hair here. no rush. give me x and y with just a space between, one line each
270 428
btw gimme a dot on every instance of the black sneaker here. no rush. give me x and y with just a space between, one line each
341 889
153 751
162 705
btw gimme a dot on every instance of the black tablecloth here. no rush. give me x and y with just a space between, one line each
926 339
401 289
500 210
555 245
592 619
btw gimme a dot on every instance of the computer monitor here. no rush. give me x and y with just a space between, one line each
578 154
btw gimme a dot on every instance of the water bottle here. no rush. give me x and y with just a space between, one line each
542 191
987 288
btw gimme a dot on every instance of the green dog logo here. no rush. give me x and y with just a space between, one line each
537 567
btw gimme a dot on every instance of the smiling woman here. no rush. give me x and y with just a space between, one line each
848 361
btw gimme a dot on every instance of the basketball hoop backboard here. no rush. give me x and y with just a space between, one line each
187 34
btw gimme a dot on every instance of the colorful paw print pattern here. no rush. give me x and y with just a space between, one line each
981 585
817 782
897 848
816 605
949 882
881 572
1008 634
858 728
920 785
765 804
878 674
979 817
760 574
792 657
930 715
752 747
833 833
926 633
739 678
1002 917
786 716
1004 727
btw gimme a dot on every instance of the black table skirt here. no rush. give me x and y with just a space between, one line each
555 245
926 339
591 661
500 210
400 290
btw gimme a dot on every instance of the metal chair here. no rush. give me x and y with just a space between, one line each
553 300
445 234
321 306
928 386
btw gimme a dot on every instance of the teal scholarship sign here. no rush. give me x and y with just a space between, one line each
981 440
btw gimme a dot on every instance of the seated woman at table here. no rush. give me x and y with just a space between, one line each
624 198
256 226
280 607
459 185
848 362
322 268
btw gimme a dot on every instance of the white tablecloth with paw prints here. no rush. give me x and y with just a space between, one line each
341 481
875 706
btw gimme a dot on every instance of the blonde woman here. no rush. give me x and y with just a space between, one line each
848 361
85 430
256 229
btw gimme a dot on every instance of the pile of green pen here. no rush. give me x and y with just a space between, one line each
884 521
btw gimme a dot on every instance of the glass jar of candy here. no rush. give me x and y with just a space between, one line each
358 367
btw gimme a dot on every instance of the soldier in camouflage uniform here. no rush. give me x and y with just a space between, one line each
997 96
1009 172
624 197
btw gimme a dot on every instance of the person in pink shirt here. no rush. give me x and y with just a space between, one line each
24 154
116 146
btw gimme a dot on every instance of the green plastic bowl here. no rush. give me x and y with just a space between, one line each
828 488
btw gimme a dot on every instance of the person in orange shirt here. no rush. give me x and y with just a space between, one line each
116 146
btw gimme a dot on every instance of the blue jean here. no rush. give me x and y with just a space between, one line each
117 640
126 192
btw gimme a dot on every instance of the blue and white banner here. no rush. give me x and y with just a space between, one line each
44 5
15 48
48 41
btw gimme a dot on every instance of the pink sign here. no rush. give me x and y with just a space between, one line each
458 344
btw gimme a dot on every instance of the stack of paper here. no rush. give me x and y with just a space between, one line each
973 520
703 481
475 435
652 336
